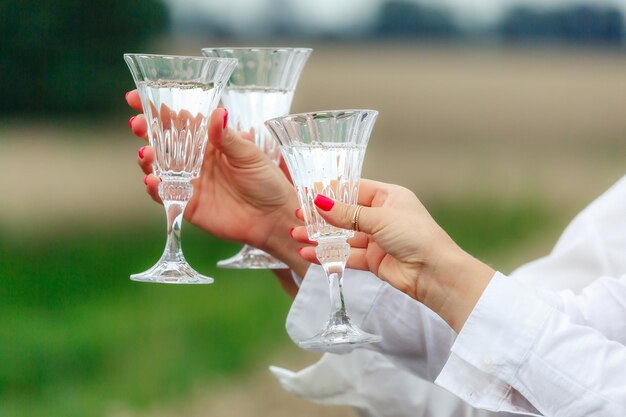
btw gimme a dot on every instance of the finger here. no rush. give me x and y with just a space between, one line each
360 240
246 136
133 100
283 167
340 215
166 115
299 234
300 214
152 187
184 118
145 158
238 151
369 190
139 126
308 253
358 259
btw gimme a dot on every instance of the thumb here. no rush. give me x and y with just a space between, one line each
285 170
336 213
237 150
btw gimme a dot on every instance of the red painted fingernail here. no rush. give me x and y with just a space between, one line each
300 251
145 180
323 202
225 117
130 121
291 231
140 152
126 95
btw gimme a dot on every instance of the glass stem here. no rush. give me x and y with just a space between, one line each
333 255
175 195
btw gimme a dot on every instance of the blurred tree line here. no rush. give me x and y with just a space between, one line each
411 19
571 24
66 56
408 19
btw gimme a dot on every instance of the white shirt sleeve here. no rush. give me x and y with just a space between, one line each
592 245
375 387
375 384
525 345
601 305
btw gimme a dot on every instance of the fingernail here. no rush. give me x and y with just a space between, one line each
126 95
130 121
323 202
145 180
291 231
295 213
140 152
225 117
300 251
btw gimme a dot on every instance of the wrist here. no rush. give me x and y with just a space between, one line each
279 242
452 284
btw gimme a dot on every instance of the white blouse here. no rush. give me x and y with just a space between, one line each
549 340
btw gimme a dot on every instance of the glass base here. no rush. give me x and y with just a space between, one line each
172 273
252 258
338 335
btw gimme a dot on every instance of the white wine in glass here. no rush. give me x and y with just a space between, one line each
178 95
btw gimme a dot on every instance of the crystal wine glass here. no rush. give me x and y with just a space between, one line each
324 153
178 95
260 88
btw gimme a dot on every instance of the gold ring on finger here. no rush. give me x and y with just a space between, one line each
355 218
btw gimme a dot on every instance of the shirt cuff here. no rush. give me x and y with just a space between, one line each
493 344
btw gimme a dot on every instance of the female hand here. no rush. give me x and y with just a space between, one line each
402 244
241 194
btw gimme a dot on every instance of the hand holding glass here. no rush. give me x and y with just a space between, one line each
260 88
324 153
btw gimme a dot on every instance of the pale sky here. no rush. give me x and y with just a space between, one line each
334 15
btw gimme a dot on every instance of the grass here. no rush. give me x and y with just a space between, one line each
78 336
79 339
492 230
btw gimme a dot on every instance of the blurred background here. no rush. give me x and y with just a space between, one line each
505 117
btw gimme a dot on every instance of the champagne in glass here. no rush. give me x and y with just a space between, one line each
260 88
178 95
324 152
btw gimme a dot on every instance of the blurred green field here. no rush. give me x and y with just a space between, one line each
80 339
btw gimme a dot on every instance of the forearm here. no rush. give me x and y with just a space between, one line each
452 283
